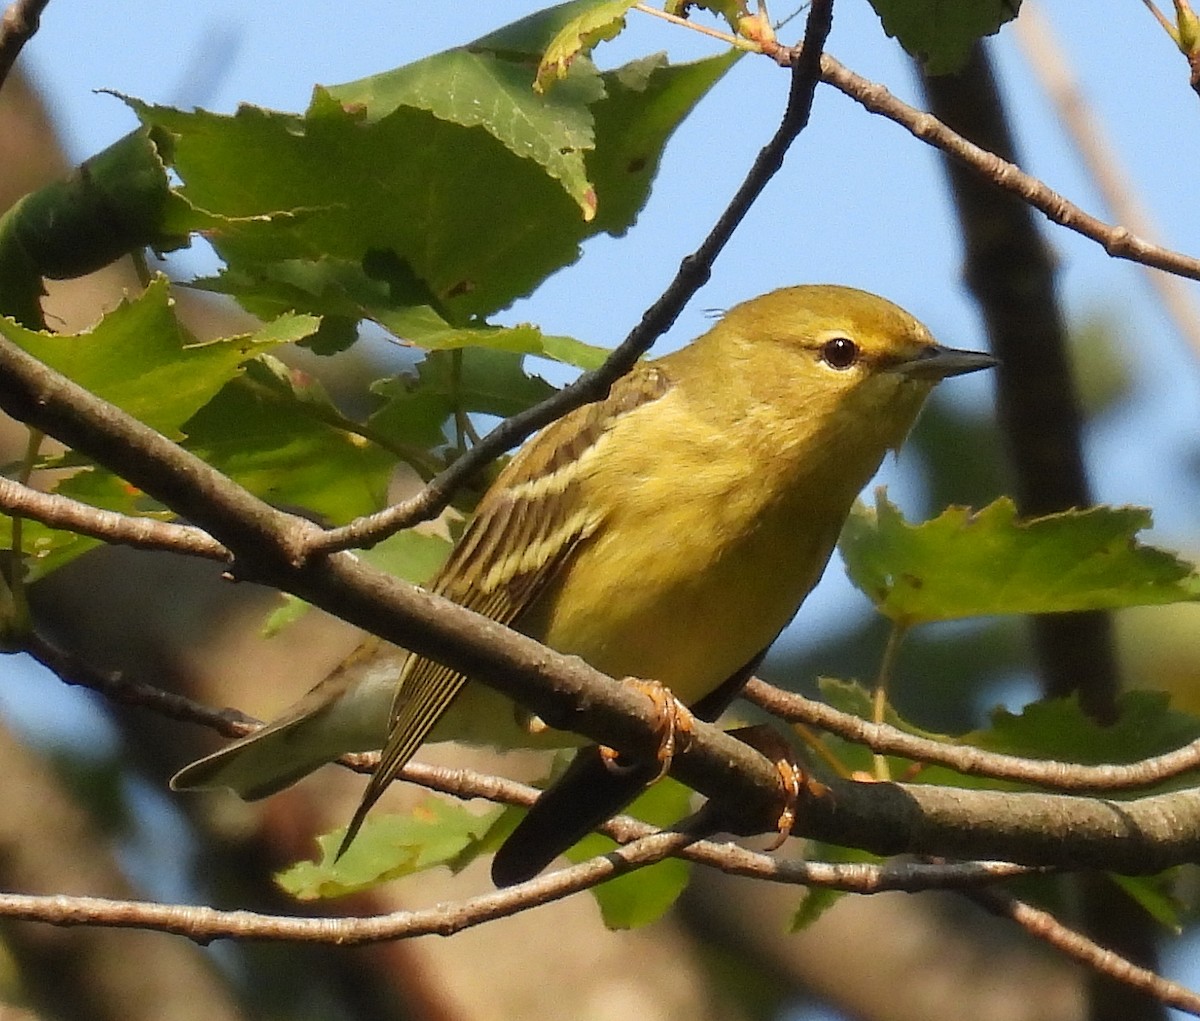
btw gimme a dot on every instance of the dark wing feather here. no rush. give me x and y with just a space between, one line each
535 504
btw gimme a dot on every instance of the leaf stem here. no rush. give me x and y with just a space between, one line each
883 679
675 19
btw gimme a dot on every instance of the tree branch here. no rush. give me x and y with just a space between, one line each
17 27
121 529
1044 926
117 688
203 924
1142 835
1051 66
1117 241
887 740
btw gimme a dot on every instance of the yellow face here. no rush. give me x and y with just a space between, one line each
816 380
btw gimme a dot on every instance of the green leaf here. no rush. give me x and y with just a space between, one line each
578 37
475 88
423 327
480 202
1156 895
852 698
268 433
646 101
139 358
118 201
389 847
730 10
342 291
1058 729
968 564
643 895
941 35
471 381
45 549
856 700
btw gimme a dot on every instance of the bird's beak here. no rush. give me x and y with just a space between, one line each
936 362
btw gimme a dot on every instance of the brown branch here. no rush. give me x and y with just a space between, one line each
121 529
114 686
1052 68
204 924
1075 945
887 740
468 784
692 274
909 876
1117 241
39 396
17 27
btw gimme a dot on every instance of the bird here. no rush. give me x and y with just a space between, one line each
667 532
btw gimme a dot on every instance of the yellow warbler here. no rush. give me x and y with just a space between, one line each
668 532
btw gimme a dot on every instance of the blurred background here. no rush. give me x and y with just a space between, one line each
858 202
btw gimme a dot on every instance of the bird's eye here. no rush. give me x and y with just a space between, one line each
839 352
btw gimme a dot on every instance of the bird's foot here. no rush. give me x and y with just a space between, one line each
794 780
674 725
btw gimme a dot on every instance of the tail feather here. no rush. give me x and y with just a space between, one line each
588 794
346 712
255 766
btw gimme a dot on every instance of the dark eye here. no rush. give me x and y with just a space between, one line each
839 352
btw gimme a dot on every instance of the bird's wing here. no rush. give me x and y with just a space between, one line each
524 531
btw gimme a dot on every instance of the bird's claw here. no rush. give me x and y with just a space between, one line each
674 726
793 778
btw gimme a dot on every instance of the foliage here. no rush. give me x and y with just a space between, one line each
967 563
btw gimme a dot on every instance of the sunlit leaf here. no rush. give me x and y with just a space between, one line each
140 358
389 847
967 563
599 22
265 436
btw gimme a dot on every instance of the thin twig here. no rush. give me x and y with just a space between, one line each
675 19
887 740
1052 67
17 27
204 924
114 686
56 511
1118 242
467 784
1078 947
